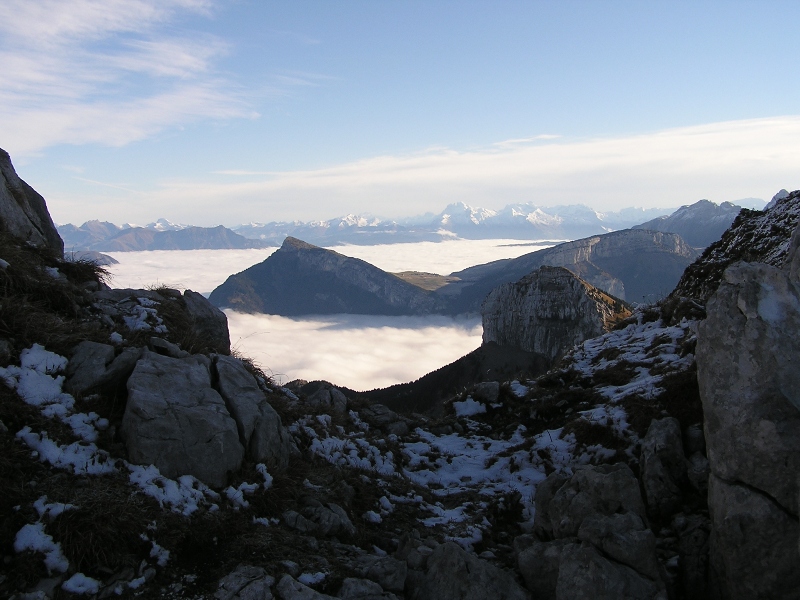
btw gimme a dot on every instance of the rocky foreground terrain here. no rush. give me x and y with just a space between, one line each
139 458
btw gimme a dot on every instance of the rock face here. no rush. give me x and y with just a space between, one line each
261 432
699 224
548 312
303 279
754 236
210 323
631 264
23 212
591 538
453 574
747 357
178 421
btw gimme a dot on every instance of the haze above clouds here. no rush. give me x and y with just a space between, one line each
222 112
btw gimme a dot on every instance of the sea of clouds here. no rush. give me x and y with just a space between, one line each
357 351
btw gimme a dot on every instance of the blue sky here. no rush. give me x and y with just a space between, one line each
210 112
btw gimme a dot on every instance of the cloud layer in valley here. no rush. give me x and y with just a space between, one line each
203 270
357 351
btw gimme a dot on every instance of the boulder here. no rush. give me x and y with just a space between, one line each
290 589
209 322
165 348
623 538
328 398
584 574
754 540
23 212
454 574
320 519
487 392
591 491
663 466
87 366
176 421
386 571
245 583
261 431
362 589
747 356
539 566
542 526
602 507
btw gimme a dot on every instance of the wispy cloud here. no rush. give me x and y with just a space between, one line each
108 72
719 161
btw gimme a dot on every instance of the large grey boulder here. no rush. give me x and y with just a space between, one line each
663 466
390 573
290 589
320 519
585 574
747 356
600 506
261 431
454 574
592 491
539 565
23 212
754 541
548 312
176 421
246 582
208 322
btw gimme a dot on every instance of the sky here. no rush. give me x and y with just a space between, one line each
212 112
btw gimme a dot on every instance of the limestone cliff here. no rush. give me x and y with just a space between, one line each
548 312
632 264
700 224
304 279
23 211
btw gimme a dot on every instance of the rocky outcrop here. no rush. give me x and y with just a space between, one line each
754 236
261 432
632 264
195 416
699 224
663 466
176 421
209 322
747 357
548 312
454 574
303 279
591 539
23 212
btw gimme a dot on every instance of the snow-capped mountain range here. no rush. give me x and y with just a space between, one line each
515 221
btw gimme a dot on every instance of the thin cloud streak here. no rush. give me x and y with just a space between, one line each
719 161
73 69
